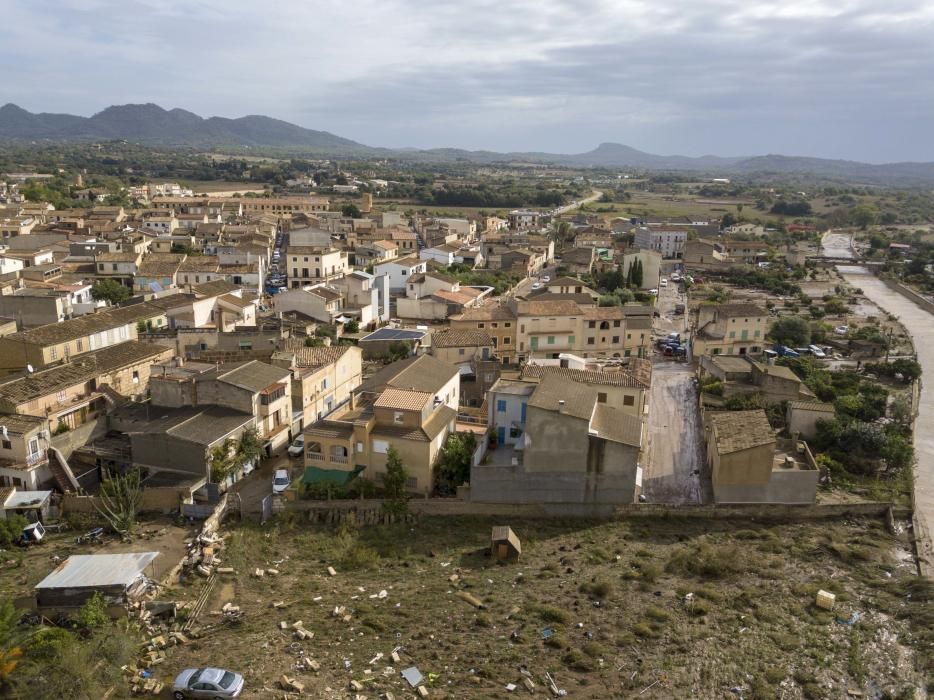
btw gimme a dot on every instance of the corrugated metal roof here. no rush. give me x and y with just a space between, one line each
91 570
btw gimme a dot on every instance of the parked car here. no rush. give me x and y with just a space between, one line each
653 292
297 448
817 351
280 481
31 534
663 282
841 330
785 351
537 285
207 683
546 278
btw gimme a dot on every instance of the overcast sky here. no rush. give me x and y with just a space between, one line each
832 78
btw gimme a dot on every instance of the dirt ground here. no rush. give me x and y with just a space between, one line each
612 599
21 569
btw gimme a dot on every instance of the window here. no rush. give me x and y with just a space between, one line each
79 345
629 401
551 340
135 376
591 324
460 351
53 353
629 336
501 405
61 396
627 353
397 416
481 325
33 446
359 447
616 324
756 334
7 445
507 325
571 340
732 334
601 397
590 341
324 384
494 325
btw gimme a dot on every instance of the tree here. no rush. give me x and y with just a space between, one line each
637 274
120 500
864 215
352 326
110 291
454 463
351 210
793 331
394 483
222 461
909 369
11 638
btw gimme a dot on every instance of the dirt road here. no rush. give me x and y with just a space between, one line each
920 326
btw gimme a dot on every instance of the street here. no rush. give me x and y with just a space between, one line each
673 466
918 323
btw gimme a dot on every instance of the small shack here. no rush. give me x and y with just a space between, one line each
505 544
33 505
120 578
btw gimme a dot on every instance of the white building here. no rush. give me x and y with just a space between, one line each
668 241
400 270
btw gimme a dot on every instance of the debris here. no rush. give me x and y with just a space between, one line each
413 676
395 656
356 686
511 687
514 610
825 600
471 599
529 685
259 573
225 570
331 571
278 604
283 625
422 691
382 594
272 572
376 658
651 686
557 692
453 578
548 633
854 618
292 685
297 624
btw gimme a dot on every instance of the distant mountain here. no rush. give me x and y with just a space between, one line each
150 124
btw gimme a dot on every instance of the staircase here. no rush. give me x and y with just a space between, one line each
61 472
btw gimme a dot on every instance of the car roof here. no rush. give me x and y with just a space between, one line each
281 472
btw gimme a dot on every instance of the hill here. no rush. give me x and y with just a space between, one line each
150 124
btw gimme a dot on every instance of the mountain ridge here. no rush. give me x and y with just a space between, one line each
149 124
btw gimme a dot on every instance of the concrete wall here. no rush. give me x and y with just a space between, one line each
66 443
34 311
163 452
159 499
804 422
506 484
746 468
791 486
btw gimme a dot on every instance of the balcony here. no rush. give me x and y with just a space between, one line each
315 456
338 459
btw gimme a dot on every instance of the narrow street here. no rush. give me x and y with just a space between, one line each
673 468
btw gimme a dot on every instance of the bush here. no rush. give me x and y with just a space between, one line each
11 528
707 561
550 613
597 589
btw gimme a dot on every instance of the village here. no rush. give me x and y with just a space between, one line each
345 449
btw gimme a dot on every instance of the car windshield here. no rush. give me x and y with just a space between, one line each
281 480
226 680
195 676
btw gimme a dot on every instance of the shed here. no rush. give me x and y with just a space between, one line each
505 545
34 505
118 577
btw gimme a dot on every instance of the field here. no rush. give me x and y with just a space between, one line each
640 608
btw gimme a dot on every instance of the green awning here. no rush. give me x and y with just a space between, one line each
316 475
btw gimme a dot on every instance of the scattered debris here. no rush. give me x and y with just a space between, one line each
469 598
331 571
505 545
413 676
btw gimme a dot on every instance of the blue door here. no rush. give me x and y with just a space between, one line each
501 436
524 406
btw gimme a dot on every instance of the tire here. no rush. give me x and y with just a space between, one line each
178 695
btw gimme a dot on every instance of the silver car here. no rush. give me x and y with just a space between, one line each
214 683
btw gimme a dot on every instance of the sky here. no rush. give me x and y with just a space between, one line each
847 79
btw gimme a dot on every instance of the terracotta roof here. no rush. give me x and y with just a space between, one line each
385 245
213 289
21 424
314 356
402 399
460 297
556 393
452 338
235 300
549 308
622 378
735 431
489 312
200 263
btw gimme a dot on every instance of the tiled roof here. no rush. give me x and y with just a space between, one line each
462 297
811 406
21 424
489 312
86 325
314 356
736 310
402 399
82 368
200 263
556 393
253 376
549 308
450 338
616 426
584 376
421 373
235 300
213 289
736 431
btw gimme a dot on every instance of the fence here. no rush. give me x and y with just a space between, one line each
370 511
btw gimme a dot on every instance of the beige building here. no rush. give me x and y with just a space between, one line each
57 342
410 406
730 329
79 391
312 265
802 417
24 445
458 347
323 378
498 320
749 465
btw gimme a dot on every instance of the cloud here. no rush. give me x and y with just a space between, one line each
840 78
